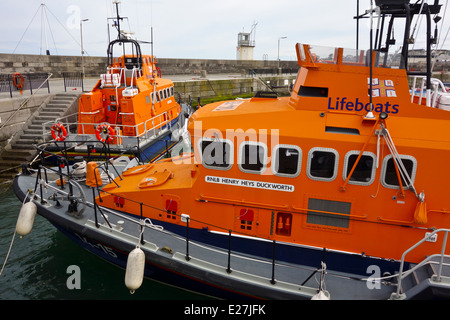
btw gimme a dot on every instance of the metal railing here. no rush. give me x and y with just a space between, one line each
23 82
228 251
73 80
430 96
402 275
145 130
28 99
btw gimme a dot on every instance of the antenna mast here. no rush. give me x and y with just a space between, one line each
44 28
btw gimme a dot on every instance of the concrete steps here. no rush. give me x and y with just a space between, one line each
20 148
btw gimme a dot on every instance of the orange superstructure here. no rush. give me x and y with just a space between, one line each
320 168
131 97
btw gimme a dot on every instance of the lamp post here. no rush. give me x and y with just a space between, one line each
82 50
279 50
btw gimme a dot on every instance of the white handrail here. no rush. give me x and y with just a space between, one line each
149 126
431 95
442 255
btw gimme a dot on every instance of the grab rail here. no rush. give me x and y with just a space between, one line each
402 275
430 95
26 101
150 127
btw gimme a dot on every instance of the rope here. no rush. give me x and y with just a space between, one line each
380 155
397 159
12 241
149 224
9 251
323 272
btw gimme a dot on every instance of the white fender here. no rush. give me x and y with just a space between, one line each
134 274
26 217
321 295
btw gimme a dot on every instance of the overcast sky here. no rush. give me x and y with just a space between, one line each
203 29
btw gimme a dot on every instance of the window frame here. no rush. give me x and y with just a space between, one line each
346 167
241 154
231 157
336 163
384 169
276 160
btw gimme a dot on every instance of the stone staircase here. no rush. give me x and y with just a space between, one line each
20 149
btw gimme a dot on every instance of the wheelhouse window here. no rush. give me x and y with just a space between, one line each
287 160
252 157
364 172
216 153
322 164
389 173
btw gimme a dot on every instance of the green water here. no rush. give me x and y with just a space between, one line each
37 266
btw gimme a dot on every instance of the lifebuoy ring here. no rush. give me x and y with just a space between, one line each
104 133
59 133
18 81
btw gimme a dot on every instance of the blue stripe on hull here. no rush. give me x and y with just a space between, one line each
156 149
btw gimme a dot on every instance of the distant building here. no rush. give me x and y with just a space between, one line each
419 55
246 44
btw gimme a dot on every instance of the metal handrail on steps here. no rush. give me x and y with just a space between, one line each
25 102
442 255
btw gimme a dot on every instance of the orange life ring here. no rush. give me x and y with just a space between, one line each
104 133
59 133
18 84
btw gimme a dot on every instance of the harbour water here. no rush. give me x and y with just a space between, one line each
37 266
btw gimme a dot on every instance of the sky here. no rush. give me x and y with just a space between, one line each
195 29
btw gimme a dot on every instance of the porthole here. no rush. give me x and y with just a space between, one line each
287 160
364 173
252 157
389 172
216 153
322 164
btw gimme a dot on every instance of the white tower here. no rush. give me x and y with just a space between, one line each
246 44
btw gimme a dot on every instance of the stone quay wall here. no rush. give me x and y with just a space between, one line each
25 63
